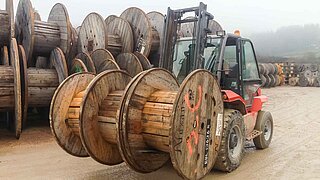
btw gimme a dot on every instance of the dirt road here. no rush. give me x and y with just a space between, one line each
293 154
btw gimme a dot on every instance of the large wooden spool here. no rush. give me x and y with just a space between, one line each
144 121
147 31
6 24
10 88
157 118
39 85
103 60
39 38
94 34
23 87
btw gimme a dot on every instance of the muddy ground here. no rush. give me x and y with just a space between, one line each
293 154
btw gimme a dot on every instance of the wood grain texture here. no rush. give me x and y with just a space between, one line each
130 63
24 84
7 24
139 138
143 60
78 66
98 116
109 19
6 88
42 62
14 54
10 11
74 47
60 104
24 28
58 62
157 22
142 29
92 34
5 61
122 29
194 142
59 16
37 16
87 60
46 38
4 28
102 60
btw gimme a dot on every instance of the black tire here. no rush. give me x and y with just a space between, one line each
228 160
265 124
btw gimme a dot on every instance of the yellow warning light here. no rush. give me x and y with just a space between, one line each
237 32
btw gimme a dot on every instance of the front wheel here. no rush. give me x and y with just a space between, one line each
233 140
265 124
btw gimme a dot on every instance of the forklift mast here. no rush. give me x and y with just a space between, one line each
173 23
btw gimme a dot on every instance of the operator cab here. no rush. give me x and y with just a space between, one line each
230 57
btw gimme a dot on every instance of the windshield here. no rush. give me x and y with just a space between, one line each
183 56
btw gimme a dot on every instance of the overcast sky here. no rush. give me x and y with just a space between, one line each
250 16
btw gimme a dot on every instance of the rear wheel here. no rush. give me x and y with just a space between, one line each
264 124
233 140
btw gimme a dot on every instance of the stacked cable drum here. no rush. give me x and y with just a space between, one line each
306 75
271 74
145 120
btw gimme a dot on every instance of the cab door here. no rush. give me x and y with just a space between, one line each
250 76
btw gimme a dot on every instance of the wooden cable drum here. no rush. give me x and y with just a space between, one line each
39 38
64 113
272 80
10 88
39 85
275 69
144 121
271 68
157 21
74 48
307 73
94 34
261 68
109 19
7 24
37 16
278 80
143 60
158 120
316 82
146 33
4 58
263 80
103 60
120 36
268 81
293 81
87 60
130 63
303 81
78 66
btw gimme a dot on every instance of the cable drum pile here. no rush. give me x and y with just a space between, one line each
106 98
271 75
306 75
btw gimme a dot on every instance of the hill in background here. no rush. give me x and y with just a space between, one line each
291 43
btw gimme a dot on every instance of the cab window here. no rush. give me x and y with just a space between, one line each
249 65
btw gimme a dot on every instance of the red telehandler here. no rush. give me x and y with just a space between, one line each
232 60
